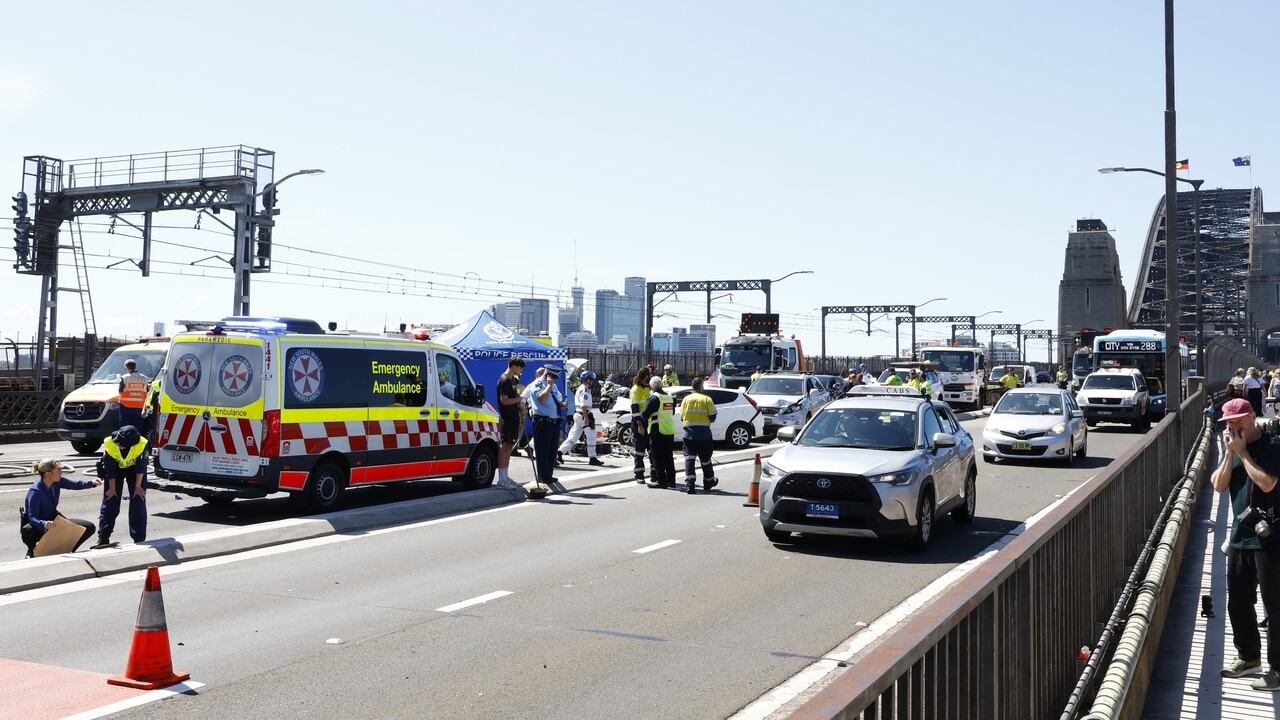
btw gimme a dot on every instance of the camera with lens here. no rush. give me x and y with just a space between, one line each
1259 520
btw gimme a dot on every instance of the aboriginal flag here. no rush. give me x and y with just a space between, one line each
1182 165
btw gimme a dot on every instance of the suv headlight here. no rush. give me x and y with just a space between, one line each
901 477
794 407
1127 401
769 471
1058 429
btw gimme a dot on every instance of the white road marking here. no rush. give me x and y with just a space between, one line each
474 601
803 680
136 701
656 546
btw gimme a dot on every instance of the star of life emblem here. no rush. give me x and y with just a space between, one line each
186 373
235 376
305 375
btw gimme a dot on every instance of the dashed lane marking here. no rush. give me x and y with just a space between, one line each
655 546
474 601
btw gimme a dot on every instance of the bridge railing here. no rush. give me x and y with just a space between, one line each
1003 642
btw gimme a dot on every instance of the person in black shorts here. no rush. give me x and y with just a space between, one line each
510 417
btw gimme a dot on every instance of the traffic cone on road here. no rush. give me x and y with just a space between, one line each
150 665
753 495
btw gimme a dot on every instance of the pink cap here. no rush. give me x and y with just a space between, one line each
1238 407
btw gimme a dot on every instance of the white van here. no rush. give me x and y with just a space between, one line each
255 406
1026 374
91 412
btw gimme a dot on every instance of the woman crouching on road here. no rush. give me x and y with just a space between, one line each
42 503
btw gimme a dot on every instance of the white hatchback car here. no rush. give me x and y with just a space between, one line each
1041 423
738 420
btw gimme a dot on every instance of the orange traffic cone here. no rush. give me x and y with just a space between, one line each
753 495
149 665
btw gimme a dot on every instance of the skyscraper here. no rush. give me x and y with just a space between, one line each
608 302
507 313
535 316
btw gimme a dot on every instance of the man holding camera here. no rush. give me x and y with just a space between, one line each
1249 467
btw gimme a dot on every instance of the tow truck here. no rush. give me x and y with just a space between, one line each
759 347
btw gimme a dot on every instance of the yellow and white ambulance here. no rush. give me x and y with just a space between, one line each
260 405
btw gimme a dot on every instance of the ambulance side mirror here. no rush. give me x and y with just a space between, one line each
478 400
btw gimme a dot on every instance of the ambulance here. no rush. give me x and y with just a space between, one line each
255 406
91 412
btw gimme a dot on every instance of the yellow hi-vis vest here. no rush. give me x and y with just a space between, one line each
665 415
127 460
697 409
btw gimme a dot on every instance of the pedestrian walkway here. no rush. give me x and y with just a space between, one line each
1186 682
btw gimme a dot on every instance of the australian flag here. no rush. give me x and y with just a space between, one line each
1242 161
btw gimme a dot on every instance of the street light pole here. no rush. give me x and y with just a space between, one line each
768 288
1172 311
245 223
1021 355
1174 329
913 323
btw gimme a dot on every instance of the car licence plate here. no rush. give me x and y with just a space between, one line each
822 510
78 436
180 457
1022 446
1106 412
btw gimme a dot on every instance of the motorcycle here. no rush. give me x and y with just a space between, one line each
610 391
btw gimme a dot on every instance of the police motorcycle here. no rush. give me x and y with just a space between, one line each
610 391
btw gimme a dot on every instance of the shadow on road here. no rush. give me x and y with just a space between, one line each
951 544
241 513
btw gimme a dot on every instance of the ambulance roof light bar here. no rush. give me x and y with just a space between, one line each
271 325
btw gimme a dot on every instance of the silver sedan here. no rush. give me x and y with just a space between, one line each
1036 423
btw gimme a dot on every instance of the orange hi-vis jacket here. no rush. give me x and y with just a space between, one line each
133 390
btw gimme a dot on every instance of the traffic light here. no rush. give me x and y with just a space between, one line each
262 249
269 201
20 204
22 239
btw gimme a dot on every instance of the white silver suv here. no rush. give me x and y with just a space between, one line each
1116 395
787 399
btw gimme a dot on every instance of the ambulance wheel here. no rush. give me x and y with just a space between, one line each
480 470
86 447
324 486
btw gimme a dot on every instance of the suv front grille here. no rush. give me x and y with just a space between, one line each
769 411
853 488
1104 401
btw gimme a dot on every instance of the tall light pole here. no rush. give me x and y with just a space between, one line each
1172 311
768 294
973 332
246 222
1021 357
1195 187
915 307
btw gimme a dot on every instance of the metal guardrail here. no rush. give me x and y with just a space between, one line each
1002 643
1122 692
163 167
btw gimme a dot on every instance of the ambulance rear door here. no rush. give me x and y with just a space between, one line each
212 406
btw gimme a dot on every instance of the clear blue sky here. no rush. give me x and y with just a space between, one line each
902 152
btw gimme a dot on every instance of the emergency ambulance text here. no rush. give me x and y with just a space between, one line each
397 371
